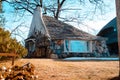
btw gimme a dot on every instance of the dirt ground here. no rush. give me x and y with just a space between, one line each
49 69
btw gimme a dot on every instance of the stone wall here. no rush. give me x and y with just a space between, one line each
100 49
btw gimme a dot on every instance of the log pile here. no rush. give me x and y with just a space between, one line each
25 72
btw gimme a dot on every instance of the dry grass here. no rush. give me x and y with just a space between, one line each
48 69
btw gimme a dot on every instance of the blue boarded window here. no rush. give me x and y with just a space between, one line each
77 46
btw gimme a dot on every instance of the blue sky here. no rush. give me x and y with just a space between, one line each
92 25
98 21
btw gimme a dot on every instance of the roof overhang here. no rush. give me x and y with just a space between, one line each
95 38
99 38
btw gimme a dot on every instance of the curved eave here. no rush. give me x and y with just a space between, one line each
27 40
111 24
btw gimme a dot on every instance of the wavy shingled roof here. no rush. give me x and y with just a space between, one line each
60 30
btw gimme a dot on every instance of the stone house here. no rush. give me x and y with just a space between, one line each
48 36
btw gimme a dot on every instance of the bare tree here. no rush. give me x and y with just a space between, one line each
55 8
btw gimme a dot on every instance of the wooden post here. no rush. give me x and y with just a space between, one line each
13 59
118 26
13 55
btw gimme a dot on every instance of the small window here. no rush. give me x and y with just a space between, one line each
115 30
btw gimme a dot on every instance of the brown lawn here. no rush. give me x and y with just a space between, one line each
49 69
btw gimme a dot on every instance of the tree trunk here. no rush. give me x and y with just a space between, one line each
0 6
118 26
60 4
41 3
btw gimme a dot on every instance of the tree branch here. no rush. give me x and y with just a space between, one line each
58 8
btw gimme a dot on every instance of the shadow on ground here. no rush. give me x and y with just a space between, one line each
115 78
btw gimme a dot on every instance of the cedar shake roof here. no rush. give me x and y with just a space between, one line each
60 30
